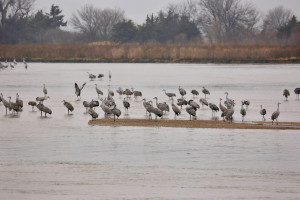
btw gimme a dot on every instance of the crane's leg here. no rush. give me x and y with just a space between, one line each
277 121
114 118
68 111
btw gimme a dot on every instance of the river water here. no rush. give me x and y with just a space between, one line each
62 157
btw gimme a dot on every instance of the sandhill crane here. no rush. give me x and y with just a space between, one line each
203 102
263 112
42 99
32 103
246 103
68 106
169 94
214 108
193 104
116 112
19 101
181 91
297 92
93 104
275 114
157 112
105 109
14 106
111 93
136 93
93 114
229 114
228 102
224 113
205 91
45 90
99 92
100 75
128 93
109 76
5 103
44 109
181 102
147 106
119 91
243 111
162 106
191 111
176 110
286 94
86 105
195 92
78 90
91 76
126 105
222 108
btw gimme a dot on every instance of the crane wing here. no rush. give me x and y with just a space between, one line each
82 85
76 87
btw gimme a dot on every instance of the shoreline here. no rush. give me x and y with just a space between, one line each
163 61
195 124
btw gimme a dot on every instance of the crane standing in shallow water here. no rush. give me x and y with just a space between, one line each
243 111
275 114
68 106
263 112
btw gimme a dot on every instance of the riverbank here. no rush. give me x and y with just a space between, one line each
135 53
195 124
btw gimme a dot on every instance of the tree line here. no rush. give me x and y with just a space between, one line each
188 22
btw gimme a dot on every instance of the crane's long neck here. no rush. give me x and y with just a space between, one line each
278 108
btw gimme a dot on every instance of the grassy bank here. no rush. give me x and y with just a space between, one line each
152 53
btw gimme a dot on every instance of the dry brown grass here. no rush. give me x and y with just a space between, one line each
106 52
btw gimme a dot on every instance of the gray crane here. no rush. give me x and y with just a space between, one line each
136 93
205 91
93 114
203 102
119 91
147 105
100 75
157 112
5 103
116 112
193 104
263 112
45 90
222 108
191 111
111 93
78 90
68 106
19 101
275 114
246 102
99 92
44 109
91 76
181 102
126 105
214 108
286 94
162 106
86 105
297 92
176 110
195 93
32 104
169 94
105 109
229 114
14 106
128 93
42 99
181 91
228 102
109 76
243 111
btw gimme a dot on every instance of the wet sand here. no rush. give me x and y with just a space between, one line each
195 124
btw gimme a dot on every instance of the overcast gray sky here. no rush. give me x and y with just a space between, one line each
137 10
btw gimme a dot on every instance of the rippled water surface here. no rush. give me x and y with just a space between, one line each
62 157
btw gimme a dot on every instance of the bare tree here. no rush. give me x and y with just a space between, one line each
15 9
276 18
95 23
187 8
227 20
